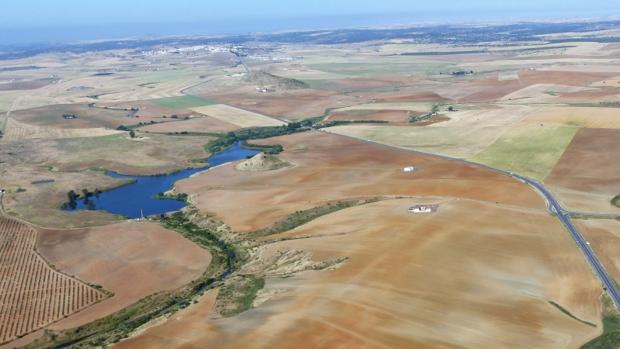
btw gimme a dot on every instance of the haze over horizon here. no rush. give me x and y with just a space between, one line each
69 20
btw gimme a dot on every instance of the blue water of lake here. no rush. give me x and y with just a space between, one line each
138 197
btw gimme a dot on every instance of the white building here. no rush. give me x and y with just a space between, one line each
421 209
409 169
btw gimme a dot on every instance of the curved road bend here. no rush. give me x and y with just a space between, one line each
583 245
552 204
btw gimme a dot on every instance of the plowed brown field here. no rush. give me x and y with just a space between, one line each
131 259
471 275
331 167
490 88
589 165
290 104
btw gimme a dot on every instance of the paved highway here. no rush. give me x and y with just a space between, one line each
583 245
553 205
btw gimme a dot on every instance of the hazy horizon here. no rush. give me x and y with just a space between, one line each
70 21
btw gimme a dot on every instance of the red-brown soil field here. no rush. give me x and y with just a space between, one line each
421 96
32 294
590 164
132 259
289 104
491 89
592 96
604 237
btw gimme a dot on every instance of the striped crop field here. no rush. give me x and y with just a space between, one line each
33 294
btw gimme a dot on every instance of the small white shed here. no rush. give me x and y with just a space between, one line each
421 209
409 169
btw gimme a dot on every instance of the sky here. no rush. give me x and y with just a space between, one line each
70 20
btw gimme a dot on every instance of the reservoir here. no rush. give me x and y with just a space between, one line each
138 197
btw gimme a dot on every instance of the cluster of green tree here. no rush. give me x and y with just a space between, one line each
433 112
272 149
616 201
239 295
299 218
178 197
175 116
346 122
224 141
73 197
129 129
263 78
416 118
462 72
610 338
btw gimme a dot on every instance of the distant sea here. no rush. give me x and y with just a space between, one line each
64 34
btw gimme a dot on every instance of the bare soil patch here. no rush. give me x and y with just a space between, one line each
289 104
593 96
421 96
262 162
590 164
491 88
132 259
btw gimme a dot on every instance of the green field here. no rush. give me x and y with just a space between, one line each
182 102
369 69
528 150
611 328
457 142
